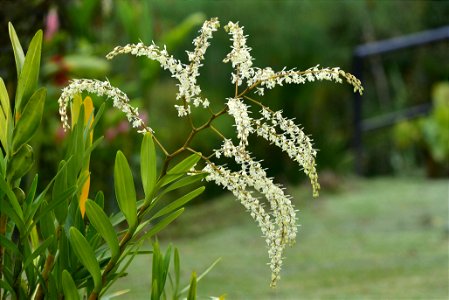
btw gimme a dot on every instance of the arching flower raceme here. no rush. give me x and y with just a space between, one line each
265 200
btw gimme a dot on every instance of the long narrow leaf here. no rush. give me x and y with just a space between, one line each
12 198
30 72
148 164
69 287
101 222
190 179
179 170
7 244
202 275
41 249
31 118
163 223
124 189
17 48
7 287
192 289
179 202
86 256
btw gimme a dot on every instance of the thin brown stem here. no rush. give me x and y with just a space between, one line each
48 266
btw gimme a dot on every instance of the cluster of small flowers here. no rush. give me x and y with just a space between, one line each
241 60
240 56
100 88
239 111
279 224
267 78
278 233
292 140
188 90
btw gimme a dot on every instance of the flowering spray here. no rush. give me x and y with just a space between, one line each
278 223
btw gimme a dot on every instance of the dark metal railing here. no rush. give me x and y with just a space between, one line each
360 53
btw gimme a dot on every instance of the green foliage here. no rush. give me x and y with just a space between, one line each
429 133
48 247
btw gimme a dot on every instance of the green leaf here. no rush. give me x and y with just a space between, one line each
163 223
32 191
7 244
46 222
177 269
20 163
124 189
86 256
180 169
5 286
69 192
100 221
41 249
59 188
18 51
202 274
12 198
2 164
5 114
148 164
30 120
189 179
192 290
179 202
69 287
30 72
99 199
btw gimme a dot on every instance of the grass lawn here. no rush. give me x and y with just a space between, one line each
376 239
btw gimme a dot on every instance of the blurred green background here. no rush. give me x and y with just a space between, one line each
78 34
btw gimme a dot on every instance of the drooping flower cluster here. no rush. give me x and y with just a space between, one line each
250 181
279 225
186 74
100 88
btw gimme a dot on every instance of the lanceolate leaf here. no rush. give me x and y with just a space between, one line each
86 256
12 198
183 182
30 119
69 287
5 115
100 221
21 162
163 223
180 169
18 51
124 189
179 202
148 164
29 74
41 249
192 290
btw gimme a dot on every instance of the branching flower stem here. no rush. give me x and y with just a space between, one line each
276 215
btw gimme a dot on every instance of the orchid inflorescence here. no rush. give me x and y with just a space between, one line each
278 224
